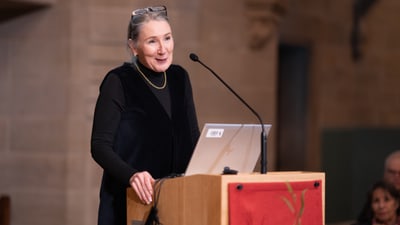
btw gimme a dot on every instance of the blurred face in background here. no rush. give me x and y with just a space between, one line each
384 206
392 171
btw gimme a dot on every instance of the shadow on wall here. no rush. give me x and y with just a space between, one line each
5 210
353 160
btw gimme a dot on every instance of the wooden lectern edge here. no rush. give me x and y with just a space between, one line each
136 210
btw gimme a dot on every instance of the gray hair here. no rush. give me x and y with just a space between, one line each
391 156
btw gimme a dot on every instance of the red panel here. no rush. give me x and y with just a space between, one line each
282 203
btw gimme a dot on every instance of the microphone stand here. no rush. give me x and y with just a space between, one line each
263 162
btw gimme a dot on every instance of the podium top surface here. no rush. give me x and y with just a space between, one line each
285 176
270 176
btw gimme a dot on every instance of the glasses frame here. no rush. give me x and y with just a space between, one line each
152 9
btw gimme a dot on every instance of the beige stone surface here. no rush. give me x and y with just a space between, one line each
52 62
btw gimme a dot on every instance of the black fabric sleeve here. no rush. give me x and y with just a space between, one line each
107 115
191 110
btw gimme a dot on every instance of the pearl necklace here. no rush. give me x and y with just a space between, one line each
148 81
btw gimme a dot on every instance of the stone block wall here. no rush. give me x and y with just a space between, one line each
347 93
53 60
51 64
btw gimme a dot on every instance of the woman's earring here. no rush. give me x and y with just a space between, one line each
133 58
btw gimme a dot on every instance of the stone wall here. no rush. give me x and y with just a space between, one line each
52 61
51 64
34 76
347 93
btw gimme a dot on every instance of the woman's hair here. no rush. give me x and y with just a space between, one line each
136 22
367 214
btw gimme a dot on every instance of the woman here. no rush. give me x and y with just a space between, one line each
382 206
145 125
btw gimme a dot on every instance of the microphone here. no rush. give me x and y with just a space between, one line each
195 58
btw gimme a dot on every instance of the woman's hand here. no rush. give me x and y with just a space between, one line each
142 183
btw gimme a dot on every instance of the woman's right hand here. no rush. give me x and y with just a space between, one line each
142 183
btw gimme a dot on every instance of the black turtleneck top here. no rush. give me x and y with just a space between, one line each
158 80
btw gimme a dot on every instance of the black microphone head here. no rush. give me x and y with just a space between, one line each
194 57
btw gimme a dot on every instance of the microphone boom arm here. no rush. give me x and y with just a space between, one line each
263 134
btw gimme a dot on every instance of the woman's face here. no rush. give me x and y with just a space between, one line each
155 45
384 205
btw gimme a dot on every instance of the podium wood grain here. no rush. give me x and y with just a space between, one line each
203 199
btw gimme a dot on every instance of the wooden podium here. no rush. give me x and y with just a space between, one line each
205 199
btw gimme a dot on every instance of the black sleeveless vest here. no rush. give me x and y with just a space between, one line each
147 138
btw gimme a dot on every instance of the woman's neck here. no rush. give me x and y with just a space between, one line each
390 221
148 71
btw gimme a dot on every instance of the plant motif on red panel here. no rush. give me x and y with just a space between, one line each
295 205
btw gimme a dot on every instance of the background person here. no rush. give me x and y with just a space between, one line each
382 206
391 171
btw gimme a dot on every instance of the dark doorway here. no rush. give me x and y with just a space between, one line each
293 61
